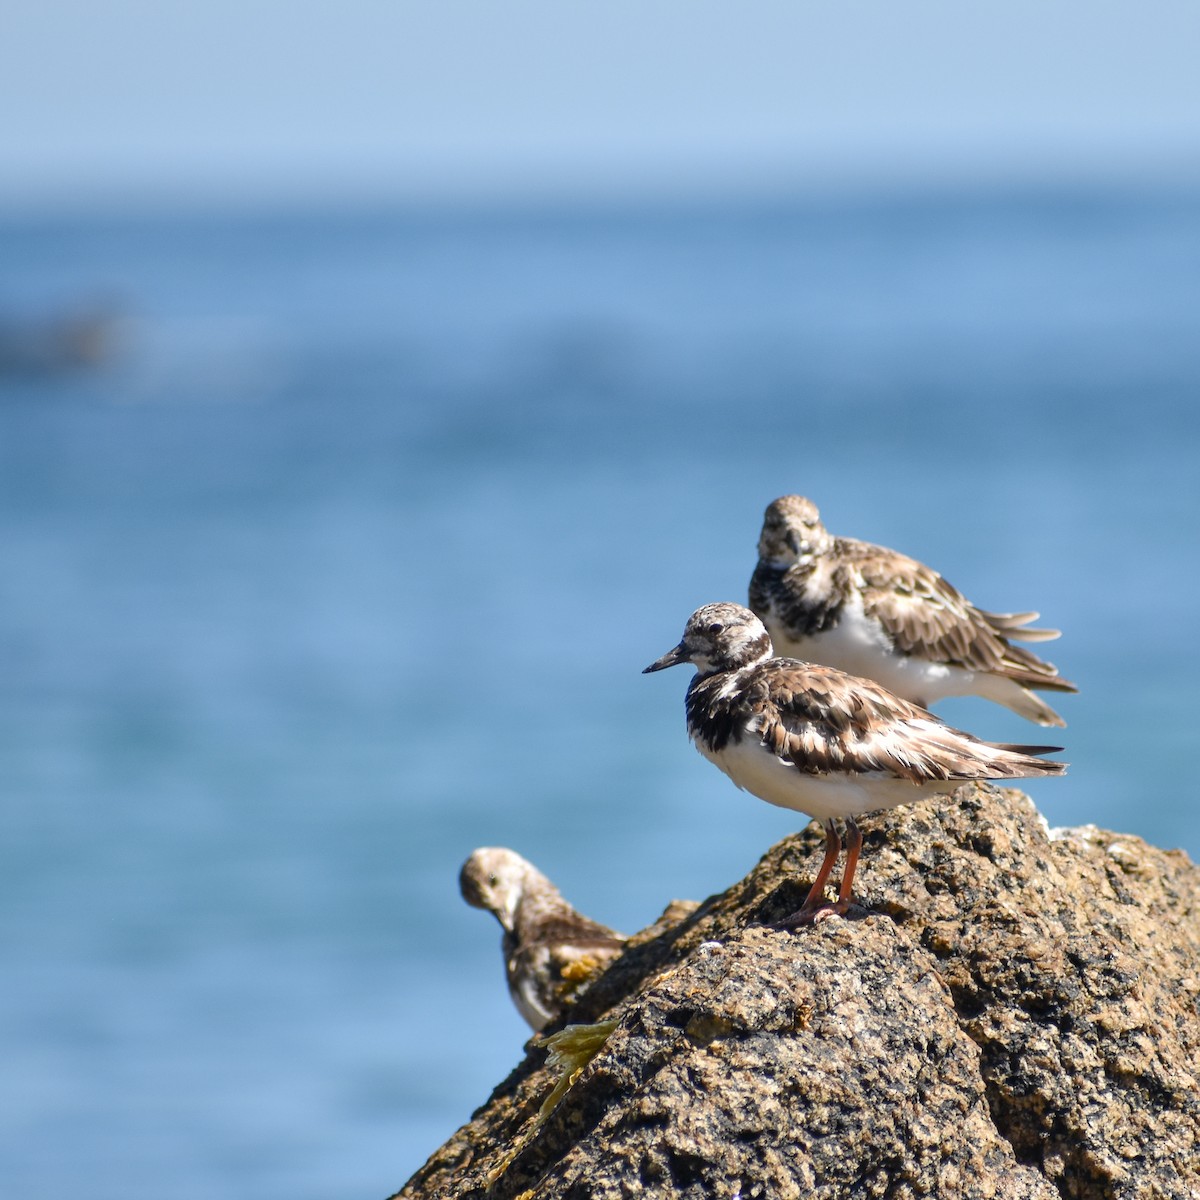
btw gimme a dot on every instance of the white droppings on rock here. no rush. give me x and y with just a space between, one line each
1085 834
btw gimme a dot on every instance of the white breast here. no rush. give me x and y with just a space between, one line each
754 768
526 995
859 646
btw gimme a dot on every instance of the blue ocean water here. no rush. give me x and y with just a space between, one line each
349 557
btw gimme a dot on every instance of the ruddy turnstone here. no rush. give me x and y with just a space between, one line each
882 615
814 739
550 949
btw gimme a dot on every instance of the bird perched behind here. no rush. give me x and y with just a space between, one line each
876 613
550 949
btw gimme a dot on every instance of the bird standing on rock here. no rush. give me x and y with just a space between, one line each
814 739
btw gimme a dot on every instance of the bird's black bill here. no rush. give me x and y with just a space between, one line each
672 658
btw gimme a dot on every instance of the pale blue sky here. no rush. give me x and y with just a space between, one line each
314 96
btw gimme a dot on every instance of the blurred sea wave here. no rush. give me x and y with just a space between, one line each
347 557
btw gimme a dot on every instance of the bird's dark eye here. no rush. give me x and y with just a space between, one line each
716 627
493 880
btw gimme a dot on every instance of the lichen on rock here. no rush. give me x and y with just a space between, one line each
1019 1016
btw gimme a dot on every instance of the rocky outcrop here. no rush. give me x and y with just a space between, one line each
1018 1017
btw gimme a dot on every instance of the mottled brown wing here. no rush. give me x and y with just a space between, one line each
552 921
928 617
576 962
822 721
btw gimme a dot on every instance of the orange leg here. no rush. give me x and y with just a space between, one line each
833 847
815 902
853 850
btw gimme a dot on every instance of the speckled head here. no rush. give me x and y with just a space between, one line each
718 637
791 531
495 878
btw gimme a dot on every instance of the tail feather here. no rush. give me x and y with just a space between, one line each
1020 699
1019 748
1012 626
949 753
1024 667
1026 761
1010 620
1032 635
1044 676
1033 708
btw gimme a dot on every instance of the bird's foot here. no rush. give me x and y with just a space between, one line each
810 914
823 910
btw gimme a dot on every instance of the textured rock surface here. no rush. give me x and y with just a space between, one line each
1019 1017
